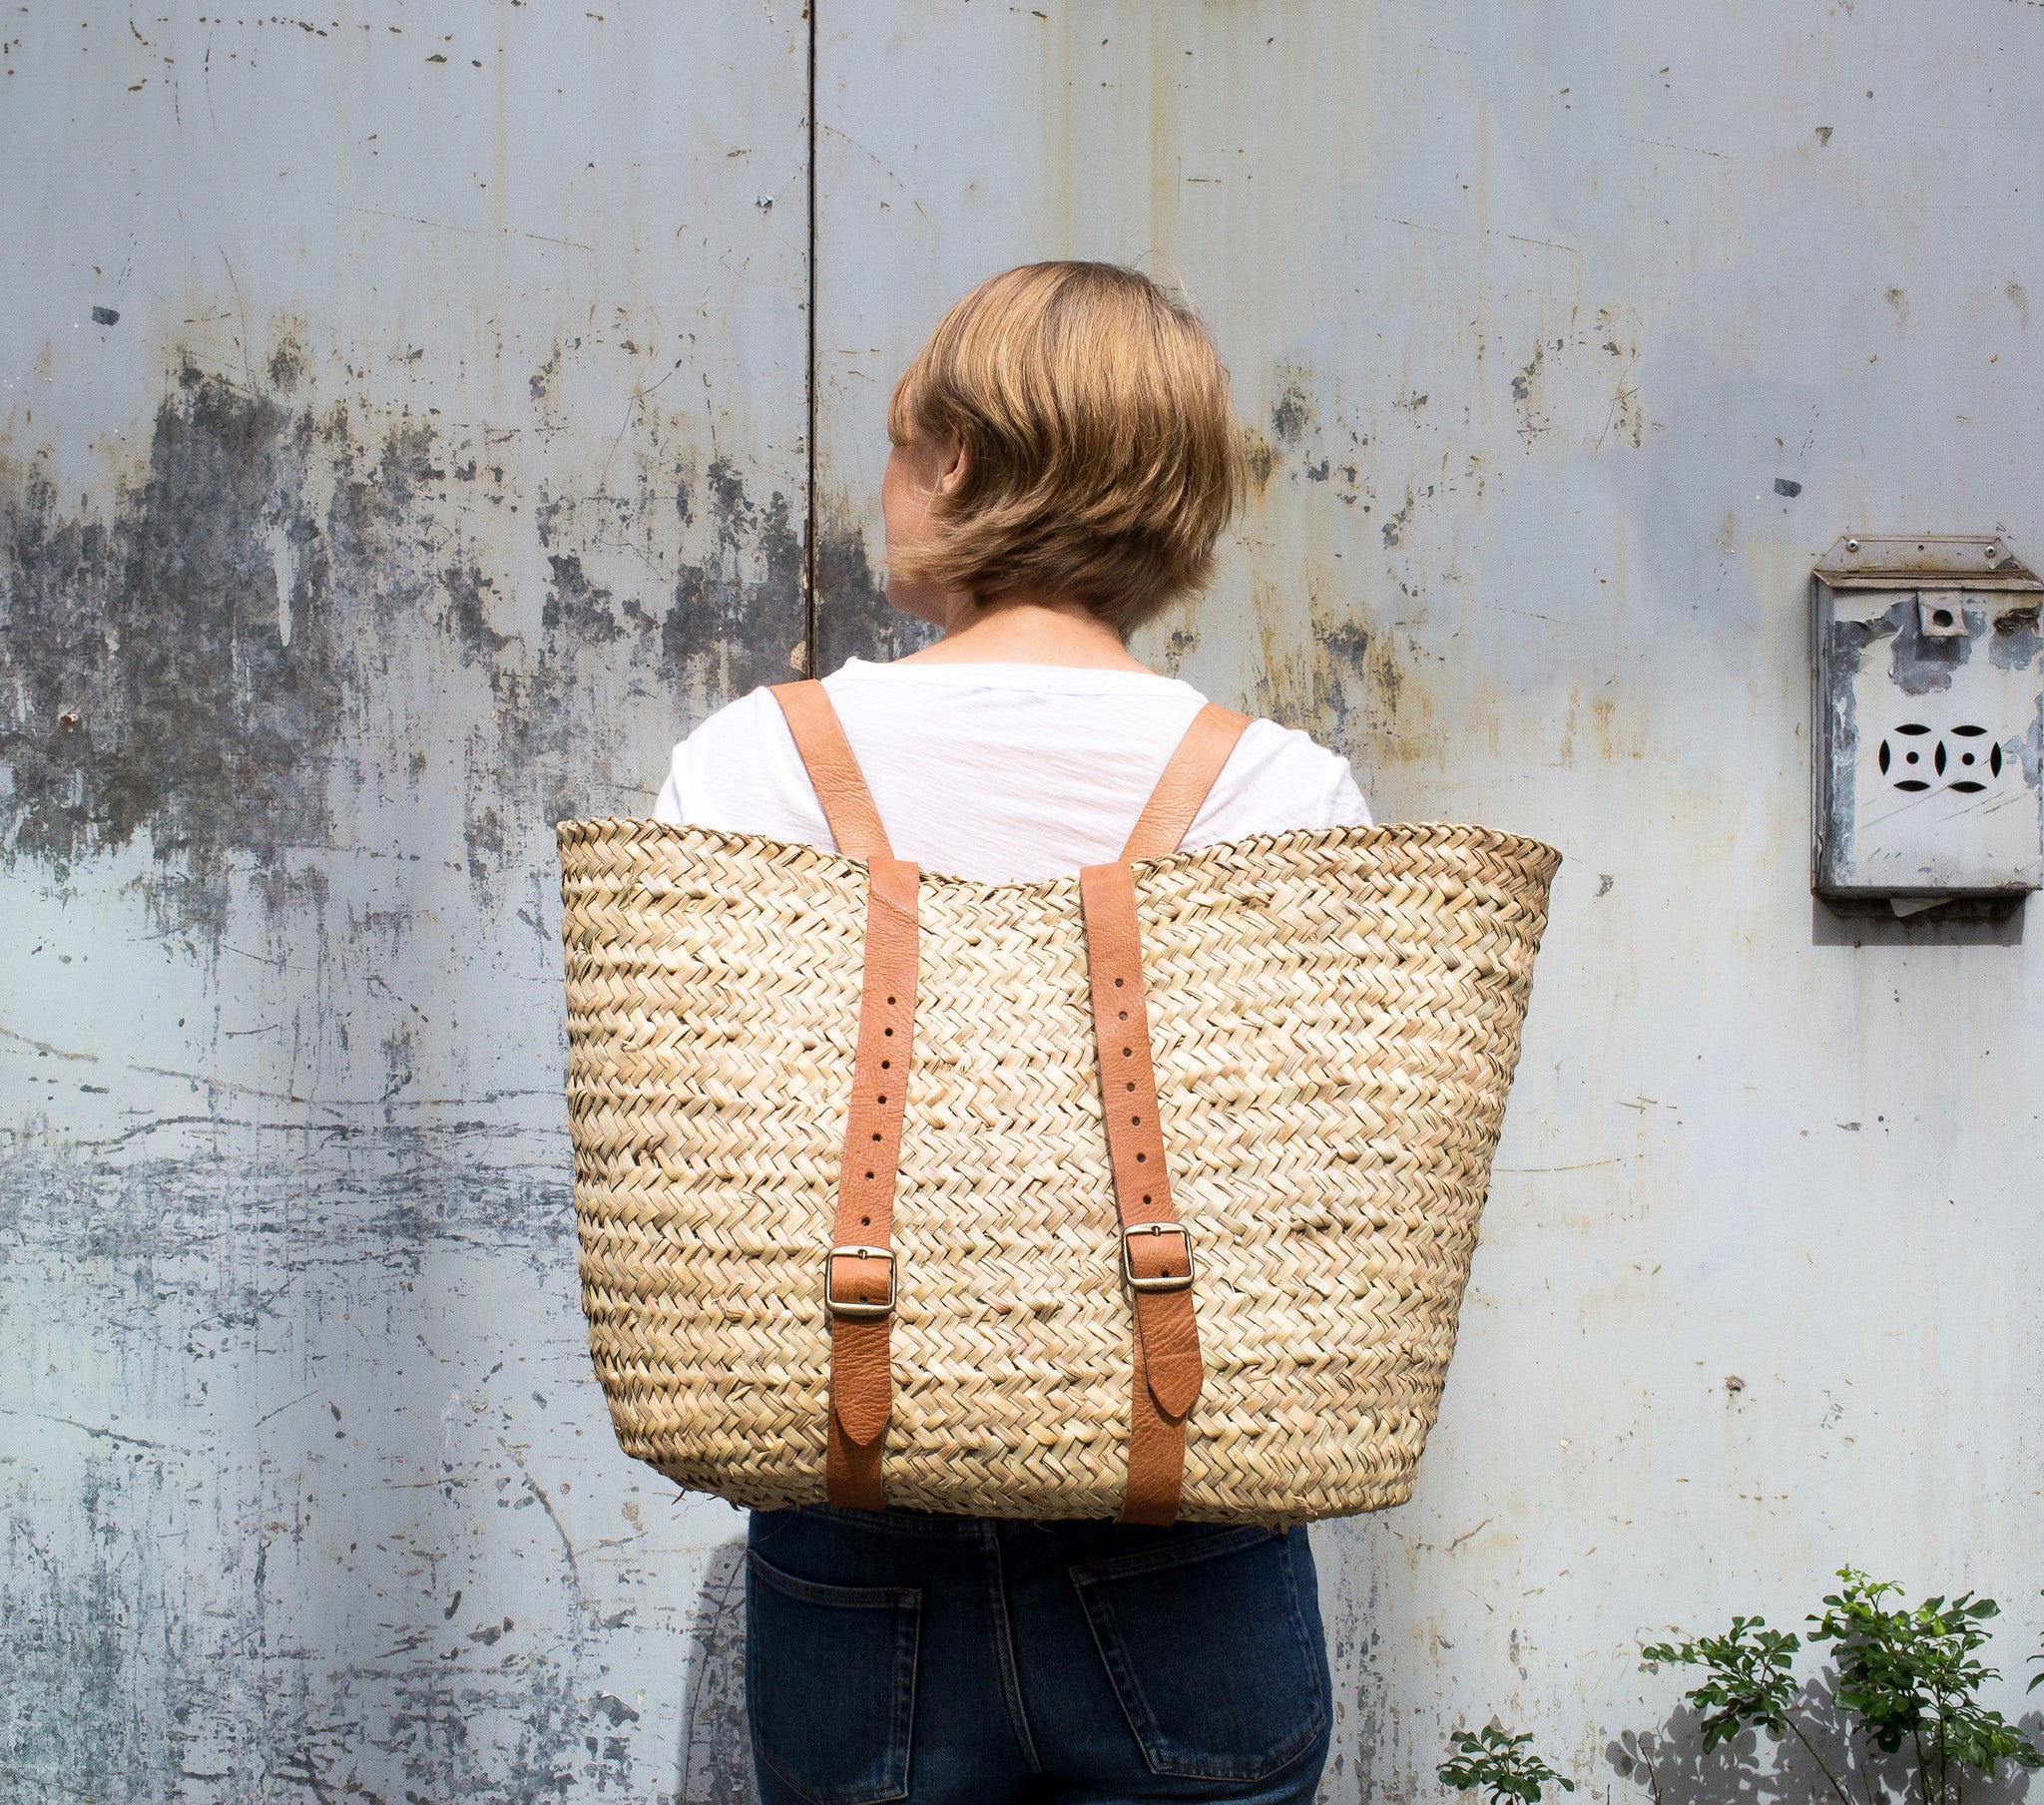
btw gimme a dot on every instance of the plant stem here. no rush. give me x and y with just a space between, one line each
1653 1780
1823 1766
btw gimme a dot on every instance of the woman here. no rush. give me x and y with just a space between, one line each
1064 460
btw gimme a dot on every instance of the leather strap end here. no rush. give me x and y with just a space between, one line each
863 1425
1166 1322
1157 1457
861 1379
1178 1391
1174 1374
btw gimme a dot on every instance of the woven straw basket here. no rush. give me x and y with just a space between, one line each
1334 1020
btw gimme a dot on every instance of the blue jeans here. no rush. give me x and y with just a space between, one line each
957 1659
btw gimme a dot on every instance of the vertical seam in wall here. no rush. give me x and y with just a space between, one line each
809 388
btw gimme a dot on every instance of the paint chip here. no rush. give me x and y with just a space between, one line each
1783 486
106 316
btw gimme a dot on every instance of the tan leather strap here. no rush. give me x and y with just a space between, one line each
1188 776
1155 1250
859 1290
840 785
1156 1254
859 1275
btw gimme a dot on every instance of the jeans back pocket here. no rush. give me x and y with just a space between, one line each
831 1683
1207 1644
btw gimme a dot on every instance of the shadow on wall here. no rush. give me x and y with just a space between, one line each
1967 922
717 1751
1670 1766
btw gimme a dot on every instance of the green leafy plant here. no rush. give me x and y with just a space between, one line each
1748 1683
1906 1678
1911 1677
1503 1766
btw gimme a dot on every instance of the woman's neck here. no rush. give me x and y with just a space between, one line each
1026 630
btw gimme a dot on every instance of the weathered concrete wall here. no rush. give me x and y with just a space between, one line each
447 457
445 460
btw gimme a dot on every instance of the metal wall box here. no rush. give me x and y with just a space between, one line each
1929 720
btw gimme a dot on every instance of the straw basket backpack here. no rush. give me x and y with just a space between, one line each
1150 1192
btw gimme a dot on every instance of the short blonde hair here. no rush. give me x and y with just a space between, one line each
1102 455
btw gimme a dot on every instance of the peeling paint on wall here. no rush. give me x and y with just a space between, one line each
211 679
165 681
405 436
411 481
152 682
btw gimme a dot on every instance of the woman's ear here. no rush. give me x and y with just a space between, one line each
956 467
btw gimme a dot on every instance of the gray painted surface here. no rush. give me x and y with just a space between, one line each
445 461
1572 340
1576 333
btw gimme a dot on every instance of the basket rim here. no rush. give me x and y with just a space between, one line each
646 830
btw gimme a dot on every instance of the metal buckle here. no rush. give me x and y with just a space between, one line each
857 1311
1166 1283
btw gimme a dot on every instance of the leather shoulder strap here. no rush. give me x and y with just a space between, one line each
858 1290
1155 1251
1186 778
860 1280
839 783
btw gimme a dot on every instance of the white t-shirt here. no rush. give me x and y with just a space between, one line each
1003 774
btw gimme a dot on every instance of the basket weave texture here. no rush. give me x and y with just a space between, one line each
1334 1020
